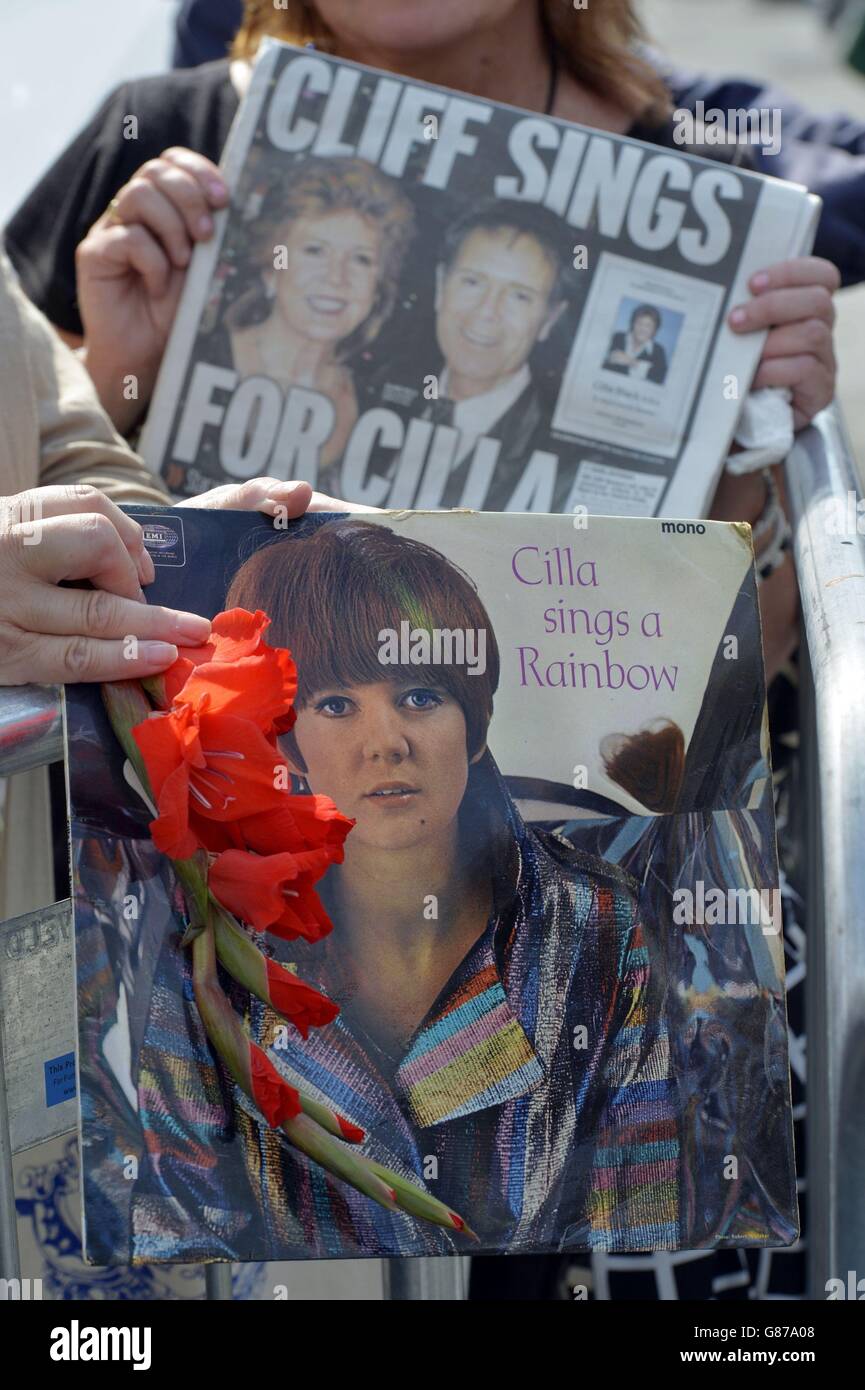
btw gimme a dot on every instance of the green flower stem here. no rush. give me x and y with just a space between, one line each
230 1041
220 1021
127 705
343 1162
323 1116
240 956
419 1203
155 687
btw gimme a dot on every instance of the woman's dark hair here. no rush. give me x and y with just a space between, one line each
516 219
646 311
648 765
330 594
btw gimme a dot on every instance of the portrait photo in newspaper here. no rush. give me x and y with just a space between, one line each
555 944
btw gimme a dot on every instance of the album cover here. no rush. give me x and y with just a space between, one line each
549 946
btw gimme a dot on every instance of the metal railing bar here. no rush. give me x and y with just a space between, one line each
830 561
31 729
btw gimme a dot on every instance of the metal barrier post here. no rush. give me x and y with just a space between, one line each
420 1280
830 562
10 1262
217 1283
31 730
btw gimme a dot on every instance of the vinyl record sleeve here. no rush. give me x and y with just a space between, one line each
556 950
422 299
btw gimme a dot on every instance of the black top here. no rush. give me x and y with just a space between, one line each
193 108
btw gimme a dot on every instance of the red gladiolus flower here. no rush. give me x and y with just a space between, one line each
239 671
301 822
204 767
259 887
297 1001
276 1100
302 915
297 823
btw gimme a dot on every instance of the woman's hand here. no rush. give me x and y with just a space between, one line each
131 267
104 633
793 300
281 500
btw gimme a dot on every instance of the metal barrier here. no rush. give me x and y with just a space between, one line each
31 733
830 559
830 562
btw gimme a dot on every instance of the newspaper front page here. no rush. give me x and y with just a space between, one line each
422 299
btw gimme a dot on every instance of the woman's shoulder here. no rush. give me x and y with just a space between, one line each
210 80
669 133
190 99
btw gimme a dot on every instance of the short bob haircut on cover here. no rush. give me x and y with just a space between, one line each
330 593
598 45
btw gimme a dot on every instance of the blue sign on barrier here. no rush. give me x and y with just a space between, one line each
60 1079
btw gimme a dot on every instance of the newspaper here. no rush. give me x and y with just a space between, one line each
562 1009
422 299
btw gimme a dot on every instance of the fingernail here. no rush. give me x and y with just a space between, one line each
205 225
738 316
191 627
284 489
760 280
216 189
157 653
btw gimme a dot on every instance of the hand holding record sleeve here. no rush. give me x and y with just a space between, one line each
56 536
53 535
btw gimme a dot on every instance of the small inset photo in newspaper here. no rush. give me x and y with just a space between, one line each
638 357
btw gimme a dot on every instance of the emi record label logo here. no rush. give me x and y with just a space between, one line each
163 539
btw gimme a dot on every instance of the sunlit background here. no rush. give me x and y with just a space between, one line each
58 59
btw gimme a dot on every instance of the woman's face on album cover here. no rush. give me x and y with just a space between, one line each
391 754
329 283
412 25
